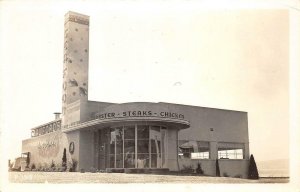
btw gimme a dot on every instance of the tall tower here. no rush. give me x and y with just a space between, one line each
76 60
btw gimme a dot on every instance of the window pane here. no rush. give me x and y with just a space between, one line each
129 132
129 161
230 154
119 133
142 132
112 149
200 155
155 137
119 159
112 141
143 161
164 145
155 146
119 147
129 154
155 161
112 161
143 146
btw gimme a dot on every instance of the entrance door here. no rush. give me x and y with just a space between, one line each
155 140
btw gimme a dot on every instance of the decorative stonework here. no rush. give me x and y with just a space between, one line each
78 19
75 74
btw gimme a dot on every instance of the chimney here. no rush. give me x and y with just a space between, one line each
57 115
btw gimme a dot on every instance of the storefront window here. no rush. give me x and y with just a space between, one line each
202 150
230 154
193 149
230 150
136 146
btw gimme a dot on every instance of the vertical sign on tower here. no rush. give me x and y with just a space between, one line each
76 60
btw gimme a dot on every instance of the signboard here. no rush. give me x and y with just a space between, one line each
162 114
47 128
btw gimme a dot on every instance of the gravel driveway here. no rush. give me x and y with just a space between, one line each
76 177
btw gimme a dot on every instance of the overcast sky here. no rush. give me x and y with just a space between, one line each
183 53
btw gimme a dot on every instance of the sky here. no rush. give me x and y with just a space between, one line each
187 53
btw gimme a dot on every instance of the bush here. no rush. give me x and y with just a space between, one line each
73 165
187 169
28 160
93 170
252 171
33 166
225 175
64 159
199 170
217 169
52 164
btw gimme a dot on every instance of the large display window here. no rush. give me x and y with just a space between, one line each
134 146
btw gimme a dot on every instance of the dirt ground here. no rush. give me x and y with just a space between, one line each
120 178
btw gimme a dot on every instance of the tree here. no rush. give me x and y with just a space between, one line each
217 169
64 159
252 171
28 160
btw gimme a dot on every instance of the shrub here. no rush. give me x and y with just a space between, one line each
252 171
28 160
225 175
93 170
39 167
64 159
52 164
217 169
187 169
199 170
72 165
33 166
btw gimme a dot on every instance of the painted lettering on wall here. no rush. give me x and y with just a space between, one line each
163 114
49 148
47 128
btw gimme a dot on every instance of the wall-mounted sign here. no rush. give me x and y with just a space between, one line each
126 114
163 114
47 128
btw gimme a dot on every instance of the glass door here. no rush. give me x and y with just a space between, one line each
129 147
155 151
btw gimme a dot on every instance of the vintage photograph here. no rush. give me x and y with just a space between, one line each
138 92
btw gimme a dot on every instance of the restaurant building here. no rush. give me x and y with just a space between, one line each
137 136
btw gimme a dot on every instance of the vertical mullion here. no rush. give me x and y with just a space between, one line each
166 147
149 147
123 143
135 140
160 147
115 148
